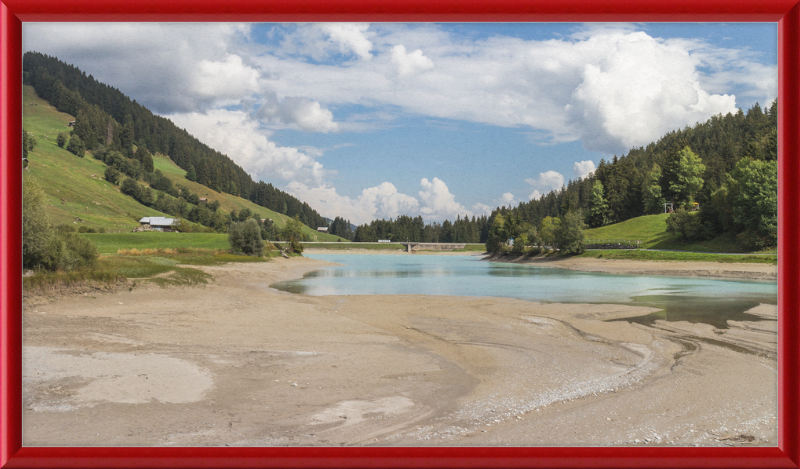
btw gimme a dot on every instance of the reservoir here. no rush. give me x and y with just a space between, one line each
705 300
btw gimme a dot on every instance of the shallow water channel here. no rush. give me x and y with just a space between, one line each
710 301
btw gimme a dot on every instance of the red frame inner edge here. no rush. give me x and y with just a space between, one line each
13 12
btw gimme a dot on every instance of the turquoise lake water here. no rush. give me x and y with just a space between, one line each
711 301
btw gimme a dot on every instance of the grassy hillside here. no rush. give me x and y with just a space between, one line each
651 230
229 202
78 181
86 195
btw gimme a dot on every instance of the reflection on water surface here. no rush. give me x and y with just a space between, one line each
709 301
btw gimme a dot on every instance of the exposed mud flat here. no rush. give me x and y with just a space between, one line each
237 363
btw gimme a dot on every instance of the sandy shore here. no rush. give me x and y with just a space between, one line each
392 252
742 270
237 363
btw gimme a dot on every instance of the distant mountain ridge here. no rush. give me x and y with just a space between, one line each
104 115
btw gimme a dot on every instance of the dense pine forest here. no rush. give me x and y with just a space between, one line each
108 120
628 182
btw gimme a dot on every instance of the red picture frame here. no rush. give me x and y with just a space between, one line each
785 12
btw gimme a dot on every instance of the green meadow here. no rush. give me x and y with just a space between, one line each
651 230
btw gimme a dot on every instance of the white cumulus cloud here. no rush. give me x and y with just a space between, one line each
235 134
481 209
506 200
382 201
583 168
438 202
302 113
349 37
226 79
408 64
546 182
611 87
168 67
638 90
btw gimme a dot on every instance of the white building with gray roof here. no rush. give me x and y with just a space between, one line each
159 223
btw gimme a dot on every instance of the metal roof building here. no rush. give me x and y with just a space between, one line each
158 223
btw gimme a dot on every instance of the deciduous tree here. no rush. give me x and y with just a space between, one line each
245 237
569 234
76 146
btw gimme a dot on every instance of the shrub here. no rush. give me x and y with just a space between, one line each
65 229
61 139
245 237
76 146
296 246
690 226
112 175
141 193
498 234
36 228
519 244
569 233
753 196
293 233
68 251
751 239
44 247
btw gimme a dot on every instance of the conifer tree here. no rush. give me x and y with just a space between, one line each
686 180
598 208
191 174
653 201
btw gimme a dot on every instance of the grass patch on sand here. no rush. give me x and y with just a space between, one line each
163 267
190 256
632 254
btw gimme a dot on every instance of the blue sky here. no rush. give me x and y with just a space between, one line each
377 120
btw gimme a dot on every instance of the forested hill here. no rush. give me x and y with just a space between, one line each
640 182
727 165
105 116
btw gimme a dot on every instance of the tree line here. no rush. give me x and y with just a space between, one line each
719 176
406 228
106 118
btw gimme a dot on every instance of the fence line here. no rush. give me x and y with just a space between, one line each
613 243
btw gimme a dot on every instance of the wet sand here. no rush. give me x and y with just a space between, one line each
237 363
735 270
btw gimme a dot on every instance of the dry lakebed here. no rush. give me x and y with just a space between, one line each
237 363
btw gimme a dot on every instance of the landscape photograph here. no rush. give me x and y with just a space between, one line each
400 234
